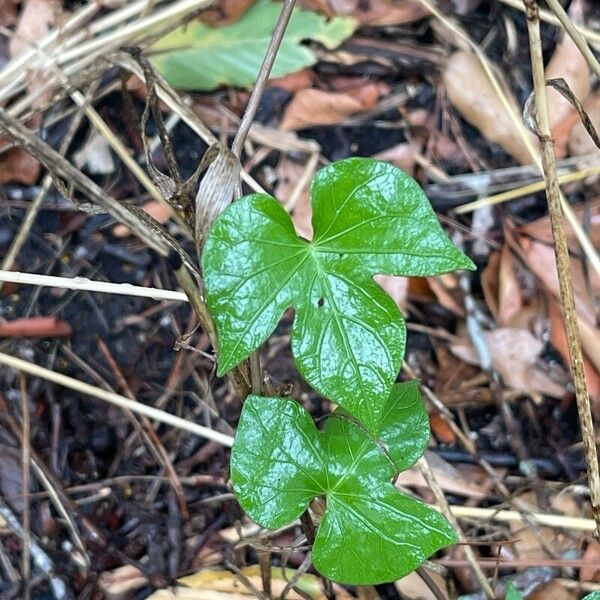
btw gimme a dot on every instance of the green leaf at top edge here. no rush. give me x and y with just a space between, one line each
196 56
370 532
348 336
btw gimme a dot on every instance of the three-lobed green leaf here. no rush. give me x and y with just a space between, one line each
348 336
199 57
370 533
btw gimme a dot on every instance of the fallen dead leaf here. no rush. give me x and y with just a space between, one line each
514 356
558 338
293 82
412 586
8 12
501 288
18 166
567 62
217 582
450 479
440 429
589 212
226 12
580 142
311 107
591 554
554 590
471 93
402 155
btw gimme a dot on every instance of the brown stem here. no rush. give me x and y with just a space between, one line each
562 257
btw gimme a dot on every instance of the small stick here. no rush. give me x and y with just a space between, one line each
90 390
263 76
553 195
25 440
34 207
445 509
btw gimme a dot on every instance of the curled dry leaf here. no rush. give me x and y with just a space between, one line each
566 62
554 590
515 355
311 107
501 288
580 142
471 93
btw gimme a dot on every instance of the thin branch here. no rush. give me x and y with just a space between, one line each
444 508
89 285
112 398
553 196
263 76
575 35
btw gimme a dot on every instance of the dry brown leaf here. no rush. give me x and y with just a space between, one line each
311 107
226 12
441 430
449 477
514 356
580 141
293 82
566 62
540 228
558 337
8 12
225 581
554 590
446 292
414 588
540 259
501 288
36 20
589 572
402 155
18 166
471 93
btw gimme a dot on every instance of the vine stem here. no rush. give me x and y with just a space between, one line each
256 377
562 256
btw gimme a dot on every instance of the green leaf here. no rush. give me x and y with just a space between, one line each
370 533
593 596
348 336
512 593
198 57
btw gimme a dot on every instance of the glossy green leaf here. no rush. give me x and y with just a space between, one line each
198 57
370 532
593 596
512 593
348 335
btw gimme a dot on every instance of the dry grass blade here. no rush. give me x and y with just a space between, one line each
85 284
112 398
562 257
